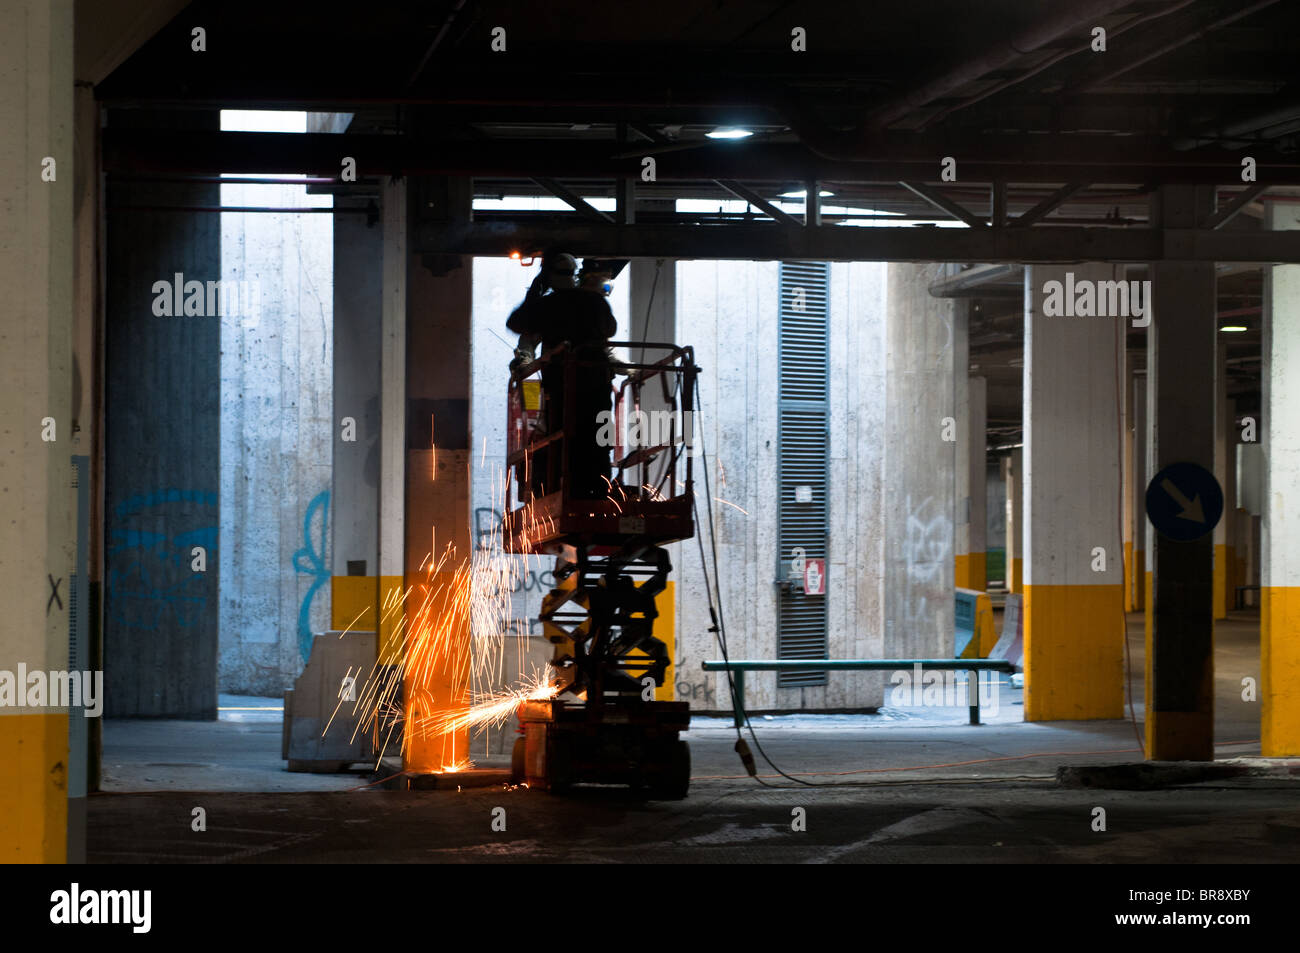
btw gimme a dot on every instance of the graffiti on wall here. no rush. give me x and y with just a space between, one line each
149 584
310 561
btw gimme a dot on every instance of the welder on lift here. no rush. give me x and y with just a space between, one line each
581 317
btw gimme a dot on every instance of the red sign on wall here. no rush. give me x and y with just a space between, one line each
814 577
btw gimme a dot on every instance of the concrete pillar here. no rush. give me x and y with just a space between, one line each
652 317
358 341
392 416
1280 536
1127 471
924 345
728 311
37 506
162 440
1137 565
437 526
971 566
1013 475
1225 460
1181 349
1073 595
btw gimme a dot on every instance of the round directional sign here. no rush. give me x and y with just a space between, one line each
1184 501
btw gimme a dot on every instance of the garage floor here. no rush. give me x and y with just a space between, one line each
912 785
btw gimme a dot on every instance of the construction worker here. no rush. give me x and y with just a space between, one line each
581 317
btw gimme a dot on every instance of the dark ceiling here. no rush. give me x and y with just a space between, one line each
583 91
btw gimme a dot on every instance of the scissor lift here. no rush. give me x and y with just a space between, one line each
610 566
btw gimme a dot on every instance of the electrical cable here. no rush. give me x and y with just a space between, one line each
720 630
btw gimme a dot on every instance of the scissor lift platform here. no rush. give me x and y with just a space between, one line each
602 727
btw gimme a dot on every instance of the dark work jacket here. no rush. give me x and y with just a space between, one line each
573 314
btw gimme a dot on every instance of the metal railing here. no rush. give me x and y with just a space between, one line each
739 667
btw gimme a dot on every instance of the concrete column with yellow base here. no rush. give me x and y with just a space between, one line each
1136 565
971 569
1073 589
1013 475
1181 371
1225 466
37 542
439 655
1280 535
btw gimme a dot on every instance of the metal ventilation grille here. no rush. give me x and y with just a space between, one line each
802 448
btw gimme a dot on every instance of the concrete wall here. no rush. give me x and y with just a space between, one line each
277 439
354 509
891 476
995 509
920 467
855 580
728 312
37 508
161 450
516 583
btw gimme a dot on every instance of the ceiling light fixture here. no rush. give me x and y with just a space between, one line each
728 132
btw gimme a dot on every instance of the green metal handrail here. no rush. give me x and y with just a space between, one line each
738 668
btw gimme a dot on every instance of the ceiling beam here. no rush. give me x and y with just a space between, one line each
1069 158
756 200
769 242
574 200
944 204
1047 205
1230 211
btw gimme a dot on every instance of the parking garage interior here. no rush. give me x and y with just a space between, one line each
970 327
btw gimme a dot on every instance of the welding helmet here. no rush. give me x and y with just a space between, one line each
598 274
560 271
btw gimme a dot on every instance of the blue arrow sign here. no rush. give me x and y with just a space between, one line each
1184 501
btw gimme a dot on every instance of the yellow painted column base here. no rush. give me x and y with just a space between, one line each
34 788
1074 652
354 603
970 571
1279 659
391 621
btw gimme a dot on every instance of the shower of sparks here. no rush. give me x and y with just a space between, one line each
428 620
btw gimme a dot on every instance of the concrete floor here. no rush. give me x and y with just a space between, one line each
910 785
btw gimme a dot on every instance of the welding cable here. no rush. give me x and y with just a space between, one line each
961 764
720 625
372 784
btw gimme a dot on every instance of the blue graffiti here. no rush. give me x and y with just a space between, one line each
148 583
310 561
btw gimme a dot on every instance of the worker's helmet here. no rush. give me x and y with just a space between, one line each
560 270
598 274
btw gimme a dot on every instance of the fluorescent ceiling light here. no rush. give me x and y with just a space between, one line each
1233 328
727 132
803 193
